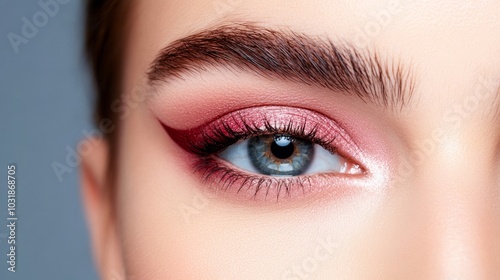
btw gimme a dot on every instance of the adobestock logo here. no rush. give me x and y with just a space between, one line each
30 27
308 266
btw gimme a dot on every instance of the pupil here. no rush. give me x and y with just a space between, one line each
282 147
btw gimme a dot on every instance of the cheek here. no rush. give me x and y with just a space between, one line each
151 201
171 229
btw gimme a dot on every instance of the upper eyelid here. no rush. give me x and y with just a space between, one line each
323 128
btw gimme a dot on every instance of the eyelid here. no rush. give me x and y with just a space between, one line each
322 130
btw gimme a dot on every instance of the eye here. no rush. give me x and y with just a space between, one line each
285 155
272 151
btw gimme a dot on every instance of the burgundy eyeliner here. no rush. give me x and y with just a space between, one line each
206 140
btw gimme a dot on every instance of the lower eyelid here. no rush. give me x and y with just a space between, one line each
259 187
237 184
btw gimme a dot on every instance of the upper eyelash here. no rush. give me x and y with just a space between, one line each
225 136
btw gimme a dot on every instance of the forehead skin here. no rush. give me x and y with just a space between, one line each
440 224
451 44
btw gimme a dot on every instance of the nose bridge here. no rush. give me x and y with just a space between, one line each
455 192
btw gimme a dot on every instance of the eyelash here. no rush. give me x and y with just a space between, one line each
227 177
215 172
208 140
228 136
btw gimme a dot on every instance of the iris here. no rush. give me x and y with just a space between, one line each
280 154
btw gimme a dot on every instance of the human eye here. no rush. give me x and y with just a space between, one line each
281 154
272 151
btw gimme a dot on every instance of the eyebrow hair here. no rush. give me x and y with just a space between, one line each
291 56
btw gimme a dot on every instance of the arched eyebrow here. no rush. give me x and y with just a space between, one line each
290 56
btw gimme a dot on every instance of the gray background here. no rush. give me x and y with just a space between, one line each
46 99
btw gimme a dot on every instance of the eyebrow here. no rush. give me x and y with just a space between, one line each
290 56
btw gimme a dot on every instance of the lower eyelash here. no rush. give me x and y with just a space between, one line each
217 173
214 172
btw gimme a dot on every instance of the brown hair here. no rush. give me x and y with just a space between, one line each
105 40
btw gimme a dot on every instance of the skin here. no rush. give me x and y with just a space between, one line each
437 221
